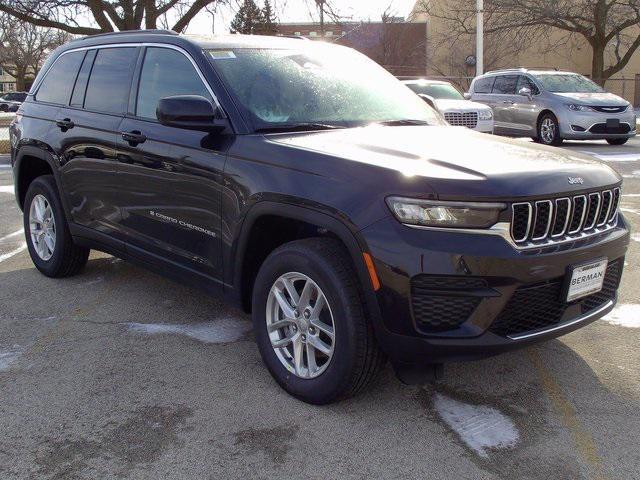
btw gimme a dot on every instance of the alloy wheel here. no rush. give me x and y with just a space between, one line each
548 130
300 325
42 227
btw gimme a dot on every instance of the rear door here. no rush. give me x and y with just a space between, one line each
170 178
88 129
504 99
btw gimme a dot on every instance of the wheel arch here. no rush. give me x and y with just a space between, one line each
30 163
325 225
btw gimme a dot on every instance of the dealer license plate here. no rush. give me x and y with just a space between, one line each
586 279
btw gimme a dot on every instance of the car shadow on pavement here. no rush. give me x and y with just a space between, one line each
91 372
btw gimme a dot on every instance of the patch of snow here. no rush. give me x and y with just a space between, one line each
634 174
7 189
635 237
614 157
481 427
6 256
224 330
7 357
627 315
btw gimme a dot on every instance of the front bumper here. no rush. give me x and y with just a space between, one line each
457 296
592 125
484 126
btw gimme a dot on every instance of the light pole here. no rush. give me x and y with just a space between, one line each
479 37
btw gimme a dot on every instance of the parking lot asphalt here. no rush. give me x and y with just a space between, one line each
120 373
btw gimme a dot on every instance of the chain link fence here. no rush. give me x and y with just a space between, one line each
5 120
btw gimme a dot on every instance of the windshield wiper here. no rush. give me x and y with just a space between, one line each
296 127
403 122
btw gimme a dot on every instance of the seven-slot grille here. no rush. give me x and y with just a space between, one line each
548 221
466 119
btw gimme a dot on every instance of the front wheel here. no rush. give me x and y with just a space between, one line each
549 130
617 141
49 241
310 323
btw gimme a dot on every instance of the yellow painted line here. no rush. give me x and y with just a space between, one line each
584 442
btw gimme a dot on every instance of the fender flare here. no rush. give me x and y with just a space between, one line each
355 245
37 152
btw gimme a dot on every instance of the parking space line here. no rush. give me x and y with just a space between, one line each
582 439
7 189
11 235
12 253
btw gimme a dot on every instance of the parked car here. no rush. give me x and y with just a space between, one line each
10 102
551 106
304 183
448 100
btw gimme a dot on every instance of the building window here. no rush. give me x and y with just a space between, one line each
328 34
296 33
313 34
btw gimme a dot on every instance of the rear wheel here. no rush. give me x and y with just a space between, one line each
310 324
49 241
549 130
617 141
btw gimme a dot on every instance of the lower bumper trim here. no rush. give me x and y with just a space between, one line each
582 318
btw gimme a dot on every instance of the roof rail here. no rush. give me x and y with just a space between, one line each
523 69
129 32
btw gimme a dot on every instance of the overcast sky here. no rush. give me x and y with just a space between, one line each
302 11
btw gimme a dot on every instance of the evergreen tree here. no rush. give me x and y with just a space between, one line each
270 26
248 20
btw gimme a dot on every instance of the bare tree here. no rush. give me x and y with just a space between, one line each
25 47
610 27
105 15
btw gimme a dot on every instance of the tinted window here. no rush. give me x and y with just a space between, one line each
77 97
166 72
505 84
56 86
526 82
108 87
483 85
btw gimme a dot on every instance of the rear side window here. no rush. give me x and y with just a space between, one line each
483 85
505 84
56 86
166 72
110 80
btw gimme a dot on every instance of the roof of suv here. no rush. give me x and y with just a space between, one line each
203 41
546 71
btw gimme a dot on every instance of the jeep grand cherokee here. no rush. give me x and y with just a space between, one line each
305 183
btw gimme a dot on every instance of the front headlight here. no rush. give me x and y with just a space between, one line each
431 213
485 114
578 108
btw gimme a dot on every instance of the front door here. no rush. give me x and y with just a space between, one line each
170 177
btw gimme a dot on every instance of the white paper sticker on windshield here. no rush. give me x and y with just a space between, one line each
221 54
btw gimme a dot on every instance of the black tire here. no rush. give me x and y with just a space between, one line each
4 108
67 258
617 141
555 139
357 358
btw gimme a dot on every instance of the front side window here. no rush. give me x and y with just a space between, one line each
505 84
319 84
56 86
484 85
567 83
166 72
526 82
437 90
110 80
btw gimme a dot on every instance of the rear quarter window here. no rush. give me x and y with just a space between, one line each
483 85
58 82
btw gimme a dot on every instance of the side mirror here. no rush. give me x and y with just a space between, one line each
428 99
525 92
467 96
190 112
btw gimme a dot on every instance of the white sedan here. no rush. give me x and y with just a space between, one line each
447 100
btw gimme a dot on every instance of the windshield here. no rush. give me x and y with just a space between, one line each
437 90
569 83
319 85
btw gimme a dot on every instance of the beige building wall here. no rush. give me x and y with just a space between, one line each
447 58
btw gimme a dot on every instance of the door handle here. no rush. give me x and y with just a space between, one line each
65 124
134 138
508 102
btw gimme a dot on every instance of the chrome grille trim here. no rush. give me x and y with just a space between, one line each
583 213
566 222
462 119
546 231
513 211
596 206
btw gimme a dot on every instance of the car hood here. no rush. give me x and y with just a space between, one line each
456 162
598 99
447 105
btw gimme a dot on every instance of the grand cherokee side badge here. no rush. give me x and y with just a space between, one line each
576 180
